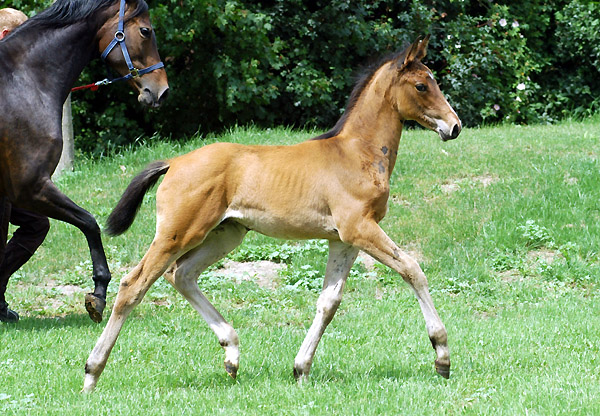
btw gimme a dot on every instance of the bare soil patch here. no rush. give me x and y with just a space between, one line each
264 273
456 184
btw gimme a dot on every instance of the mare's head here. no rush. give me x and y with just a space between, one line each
417 96
138 36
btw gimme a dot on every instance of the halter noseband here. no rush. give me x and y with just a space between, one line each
120 40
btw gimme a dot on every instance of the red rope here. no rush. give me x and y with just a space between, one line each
93 87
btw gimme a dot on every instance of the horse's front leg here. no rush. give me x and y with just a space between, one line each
369 237
50 201
341 259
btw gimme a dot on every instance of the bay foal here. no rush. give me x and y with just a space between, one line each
334 187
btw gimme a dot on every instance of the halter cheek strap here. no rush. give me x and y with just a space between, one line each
119 39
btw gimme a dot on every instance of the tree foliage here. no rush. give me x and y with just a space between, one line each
292 62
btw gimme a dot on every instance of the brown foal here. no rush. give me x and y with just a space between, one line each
334 187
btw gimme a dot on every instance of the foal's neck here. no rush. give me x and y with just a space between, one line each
374 121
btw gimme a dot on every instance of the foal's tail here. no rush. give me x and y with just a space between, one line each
121 218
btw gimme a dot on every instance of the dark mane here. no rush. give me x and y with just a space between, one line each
67 12
364 77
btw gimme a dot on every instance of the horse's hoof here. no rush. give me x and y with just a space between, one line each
442 369
94 306
231 370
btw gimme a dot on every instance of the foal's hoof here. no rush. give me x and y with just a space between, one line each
94 306
231 370
300 376
442 369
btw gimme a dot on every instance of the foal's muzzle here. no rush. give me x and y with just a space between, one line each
453 134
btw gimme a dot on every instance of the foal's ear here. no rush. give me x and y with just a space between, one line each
416 52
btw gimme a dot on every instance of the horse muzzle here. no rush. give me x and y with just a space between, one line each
449 133
151 98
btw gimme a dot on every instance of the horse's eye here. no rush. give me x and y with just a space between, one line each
421 87
145 32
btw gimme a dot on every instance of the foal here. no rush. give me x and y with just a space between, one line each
334 187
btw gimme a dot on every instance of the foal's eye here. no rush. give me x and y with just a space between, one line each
421 87
145 32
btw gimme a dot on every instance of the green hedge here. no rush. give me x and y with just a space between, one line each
292 62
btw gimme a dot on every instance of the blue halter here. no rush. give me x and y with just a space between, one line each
120 40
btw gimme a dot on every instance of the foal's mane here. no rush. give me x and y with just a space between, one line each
363 79
67 12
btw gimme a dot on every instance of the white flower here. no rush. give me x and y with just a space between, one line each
521 86
518 99
515 24
502 22
496 107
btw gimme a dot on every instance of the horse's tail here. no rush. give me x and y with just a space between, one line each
121 218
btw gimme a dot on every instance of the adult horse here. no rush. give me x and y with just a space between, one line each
334 187
39 63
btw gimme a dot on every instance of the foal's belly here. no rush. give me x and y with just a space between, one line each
290 226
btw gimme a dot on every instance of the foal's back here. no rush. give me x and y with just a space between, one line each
280 191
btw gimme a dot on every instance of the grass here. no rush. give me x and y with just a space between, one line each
504 220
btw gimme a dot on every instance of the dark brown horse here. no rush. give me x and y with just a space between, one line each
335 188
39 63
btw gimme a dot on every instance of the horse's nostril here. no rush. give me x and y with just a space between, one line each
455 131
163 96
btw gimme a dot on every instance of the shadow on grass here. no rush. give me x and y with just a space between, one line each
277 375
29 323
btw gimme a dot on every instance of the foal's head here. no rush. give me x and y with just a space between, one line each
416 95
141 44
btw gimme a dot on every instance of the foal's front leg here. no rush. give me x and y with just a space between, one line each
369 237
341 259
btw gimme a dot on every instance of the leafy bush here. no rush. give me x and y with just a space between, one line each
488 62
291 62
577 58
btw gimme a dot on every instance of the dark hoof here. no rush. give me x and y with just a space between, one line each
300 376
94 306
8 315
231 370
442 369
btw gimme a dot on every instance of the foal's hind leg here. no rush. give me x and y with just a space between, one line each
341 259
131 291
368 236
183 275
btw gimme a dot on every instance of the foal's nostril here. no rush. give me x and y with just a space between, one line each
455 131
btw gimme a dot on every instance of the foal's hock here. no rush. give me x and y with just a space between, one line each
335 187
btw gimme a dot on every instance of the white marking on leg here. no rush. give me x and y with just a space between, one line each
132 289
375 242
184 277
341 259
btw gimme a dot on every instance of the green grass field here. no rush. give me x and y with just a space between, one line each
505 222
